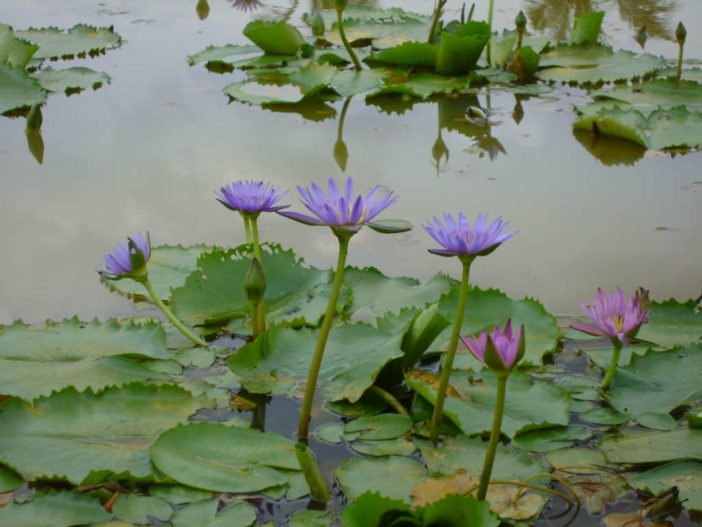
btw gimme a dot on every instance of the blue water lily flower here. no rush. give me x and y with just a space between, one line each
460 238
128 259
250 197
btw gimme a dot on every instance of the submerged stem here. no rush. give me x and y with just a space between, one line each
306 409
177 323
450 354
494 437
612 369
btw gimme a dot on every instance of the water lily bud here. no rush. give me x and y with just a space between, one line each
34 118
680 33
255 282
520 21
341 154
340 5
317 23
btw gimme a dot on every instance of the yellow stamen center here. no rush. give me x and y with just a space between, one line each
618 323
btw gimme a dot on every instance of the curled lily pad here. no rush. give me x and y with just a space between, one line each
460 51
407 54
586 28
274 38
14 52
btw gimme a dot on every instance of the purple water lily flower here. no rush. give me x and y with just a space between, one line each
459 238
615 316
508 345
128 259
250 197
343 211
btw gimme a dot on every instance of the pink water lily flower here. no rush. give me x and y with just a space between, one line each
500 350
615 316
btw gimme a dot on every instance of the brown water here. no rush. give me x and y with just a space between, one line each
147 151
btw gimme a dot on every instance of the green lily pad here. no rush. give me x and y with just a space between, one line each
687 74
375 294
311 518
653 446
64 508
18 89
659 129
586 28
57 43
9 480
459 52
685 475
548 439
462 453
659 381
577 460
371 509
224 458
278 361
673 323
594 64
470 403
70 79
347 83
376 427
457 511
178 494
421 85
71 435
392 476
407 54
214 294
137 509
654 93
35 362
389 447
222 54
331 433
604 416
274 38
485 309
205 514
169 266
14 52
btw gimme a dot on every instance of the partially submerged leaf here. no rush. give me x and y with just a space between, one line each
70 79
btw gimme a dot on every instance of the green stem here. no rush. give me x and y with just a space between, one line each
612 369
247 228
348 47
256 245
435 20
177 323
490 9
680 59
388 398
306 410
494 437
450 353
260 320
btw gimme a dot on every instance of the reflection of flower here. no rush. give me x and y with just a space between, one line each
128 259
509 346
250 197
341 211
615 316
462 239
246 5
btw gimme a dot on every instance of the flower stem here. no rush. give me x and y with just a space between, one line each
435 20
612 369
177 323
348 47
388 398
494 437
247 228
259 322
256 245
450 354
306 410
678 73
490 9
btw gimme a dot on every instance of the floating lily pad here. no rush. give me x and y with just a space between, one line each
389 447
71 79
661 128
375 294
347 83
653 446
223 54
673 323
9 480
376 427
178 494
14 52
604 416
35 362
421 85
224 458
207 514
64 508
686 476
278 361
392 476
57 43
462 453
70 434
548 439
311 518
646 385
577 460
654 93
407 54
18 89
485 309
295 294
138 509
470 401
594 64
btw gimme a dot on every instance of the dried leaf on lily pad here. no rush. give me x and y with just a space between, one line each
470 404
596 490
675 127
278 361
631 519
56 43
501 497
594 64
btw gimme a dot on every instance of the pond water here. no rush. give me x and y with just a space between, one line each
146 152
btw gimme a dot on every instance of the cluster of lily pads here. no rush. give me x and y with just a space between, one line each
356 50
143 421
